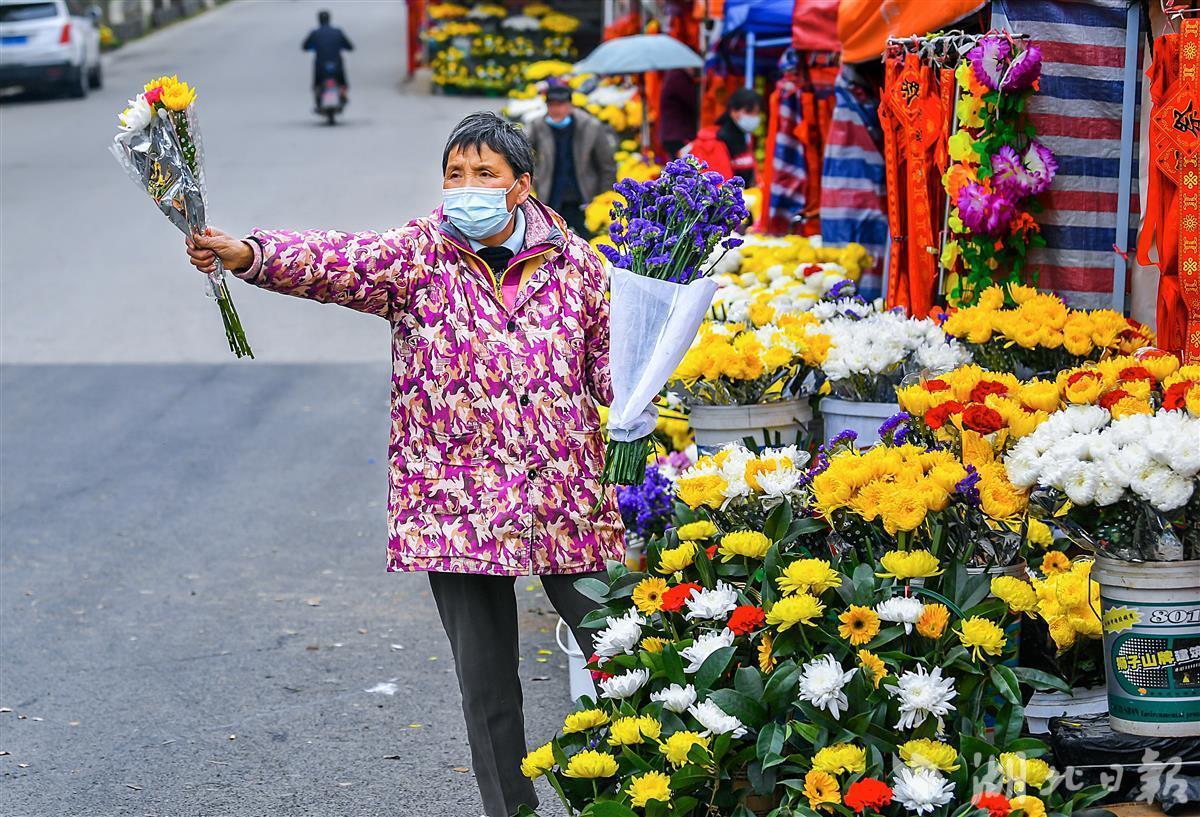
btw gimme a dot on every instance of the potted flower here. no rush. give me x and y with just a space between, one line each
870 354
1116 470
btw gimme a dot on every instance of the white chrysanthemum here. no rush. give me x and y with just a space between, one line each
704 646
620 687
1168 491
711 604
715 721
675 698
1086 419
904 610
1080 481
922 694
921 790
1024 466
138 115
822 683
780 482
620 636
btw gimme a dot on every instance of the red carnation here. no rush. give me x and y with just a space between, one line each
1175 396
597 675
936 385
1107 401
997 804
1131 373
811 269
711 550
868 793
937 416
982 419
985 387
673 598
154 94
745 619
1075 378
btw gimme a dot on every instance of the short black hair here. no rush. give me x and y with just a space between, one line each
558 93
323 18
743 99
487 129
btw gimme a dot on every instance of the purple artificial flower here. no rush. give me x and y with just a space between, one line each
1024 70
839 290
1041 165
989 58
982 212
1009 174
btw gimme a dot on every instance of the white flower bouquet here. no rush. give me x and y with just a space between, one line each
1126 488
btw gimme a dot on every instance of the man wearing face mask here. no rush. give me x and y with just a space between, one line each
574 155
499 360
727 146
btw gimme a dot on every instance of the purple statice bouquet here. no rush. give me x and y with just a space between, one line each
659 293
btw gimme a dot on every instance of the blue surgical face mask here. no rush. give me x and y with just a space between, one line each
559 123
477 212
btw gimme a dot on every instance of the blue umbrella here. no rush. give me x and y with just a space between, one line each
638 54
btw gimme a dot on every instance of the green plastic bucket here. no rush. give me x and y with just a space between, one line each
1151 616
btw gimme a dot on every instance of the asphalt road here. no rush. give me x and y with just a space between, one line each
194 613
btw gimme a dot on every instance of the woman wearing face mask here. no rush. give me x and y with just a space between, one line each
727 146
500 358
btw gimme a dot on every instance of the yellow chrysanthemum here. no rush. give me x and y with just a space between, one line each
909 564
177 95
923 753
695 531
649 726
625 732
647 594
1029 805
789 611
751 544
981 635
583 720
821 789
538 762
813 576
653 644
649 786
1025 772
859 624
676 747
1017 594
673 560
707 489
873 664
590 764
840 758
933 620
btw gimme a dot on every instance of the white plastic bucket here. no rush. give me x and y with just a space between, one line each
1151 617
716 425
1043 706
581 677
862 418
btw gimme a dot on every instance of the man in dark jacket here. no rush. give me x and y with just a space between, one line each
327 44
575 157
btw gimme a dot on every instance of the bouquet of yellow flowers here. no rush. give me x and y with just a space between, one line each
159 146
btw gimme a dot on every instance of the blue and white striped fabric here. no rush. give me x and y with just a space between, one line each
1077 113
789 174
853 183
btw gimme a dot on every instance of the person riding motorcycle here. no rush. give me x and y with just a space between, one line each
327 44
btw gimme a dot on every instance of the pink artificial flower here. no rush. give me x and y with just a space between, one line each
989 60
1042 166
1024 70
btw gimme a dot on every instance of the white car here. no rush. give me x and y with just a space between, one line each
44 46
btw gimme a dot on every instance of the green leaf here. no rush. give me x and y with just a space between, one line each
526 811
713 667
673 665
593 589
1041 680
704 567
609 808
778 522
616 569
770 744
781 684
969 747
1006 683
747 710
749 682
635 760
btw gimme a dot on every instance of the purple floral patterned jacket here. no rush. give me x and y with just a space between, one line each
495 448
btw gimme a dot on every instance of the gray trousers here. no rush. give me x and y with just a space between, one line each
479 614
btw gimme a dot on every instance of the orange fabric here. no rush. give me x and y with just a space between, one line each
623 27
711 149
913 113
717 90
1172 224
865 25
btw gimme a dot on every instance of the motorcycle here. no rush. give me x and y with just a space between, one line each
331 99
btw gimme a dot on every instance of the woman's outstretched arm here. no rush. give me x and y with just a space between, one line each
365 271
